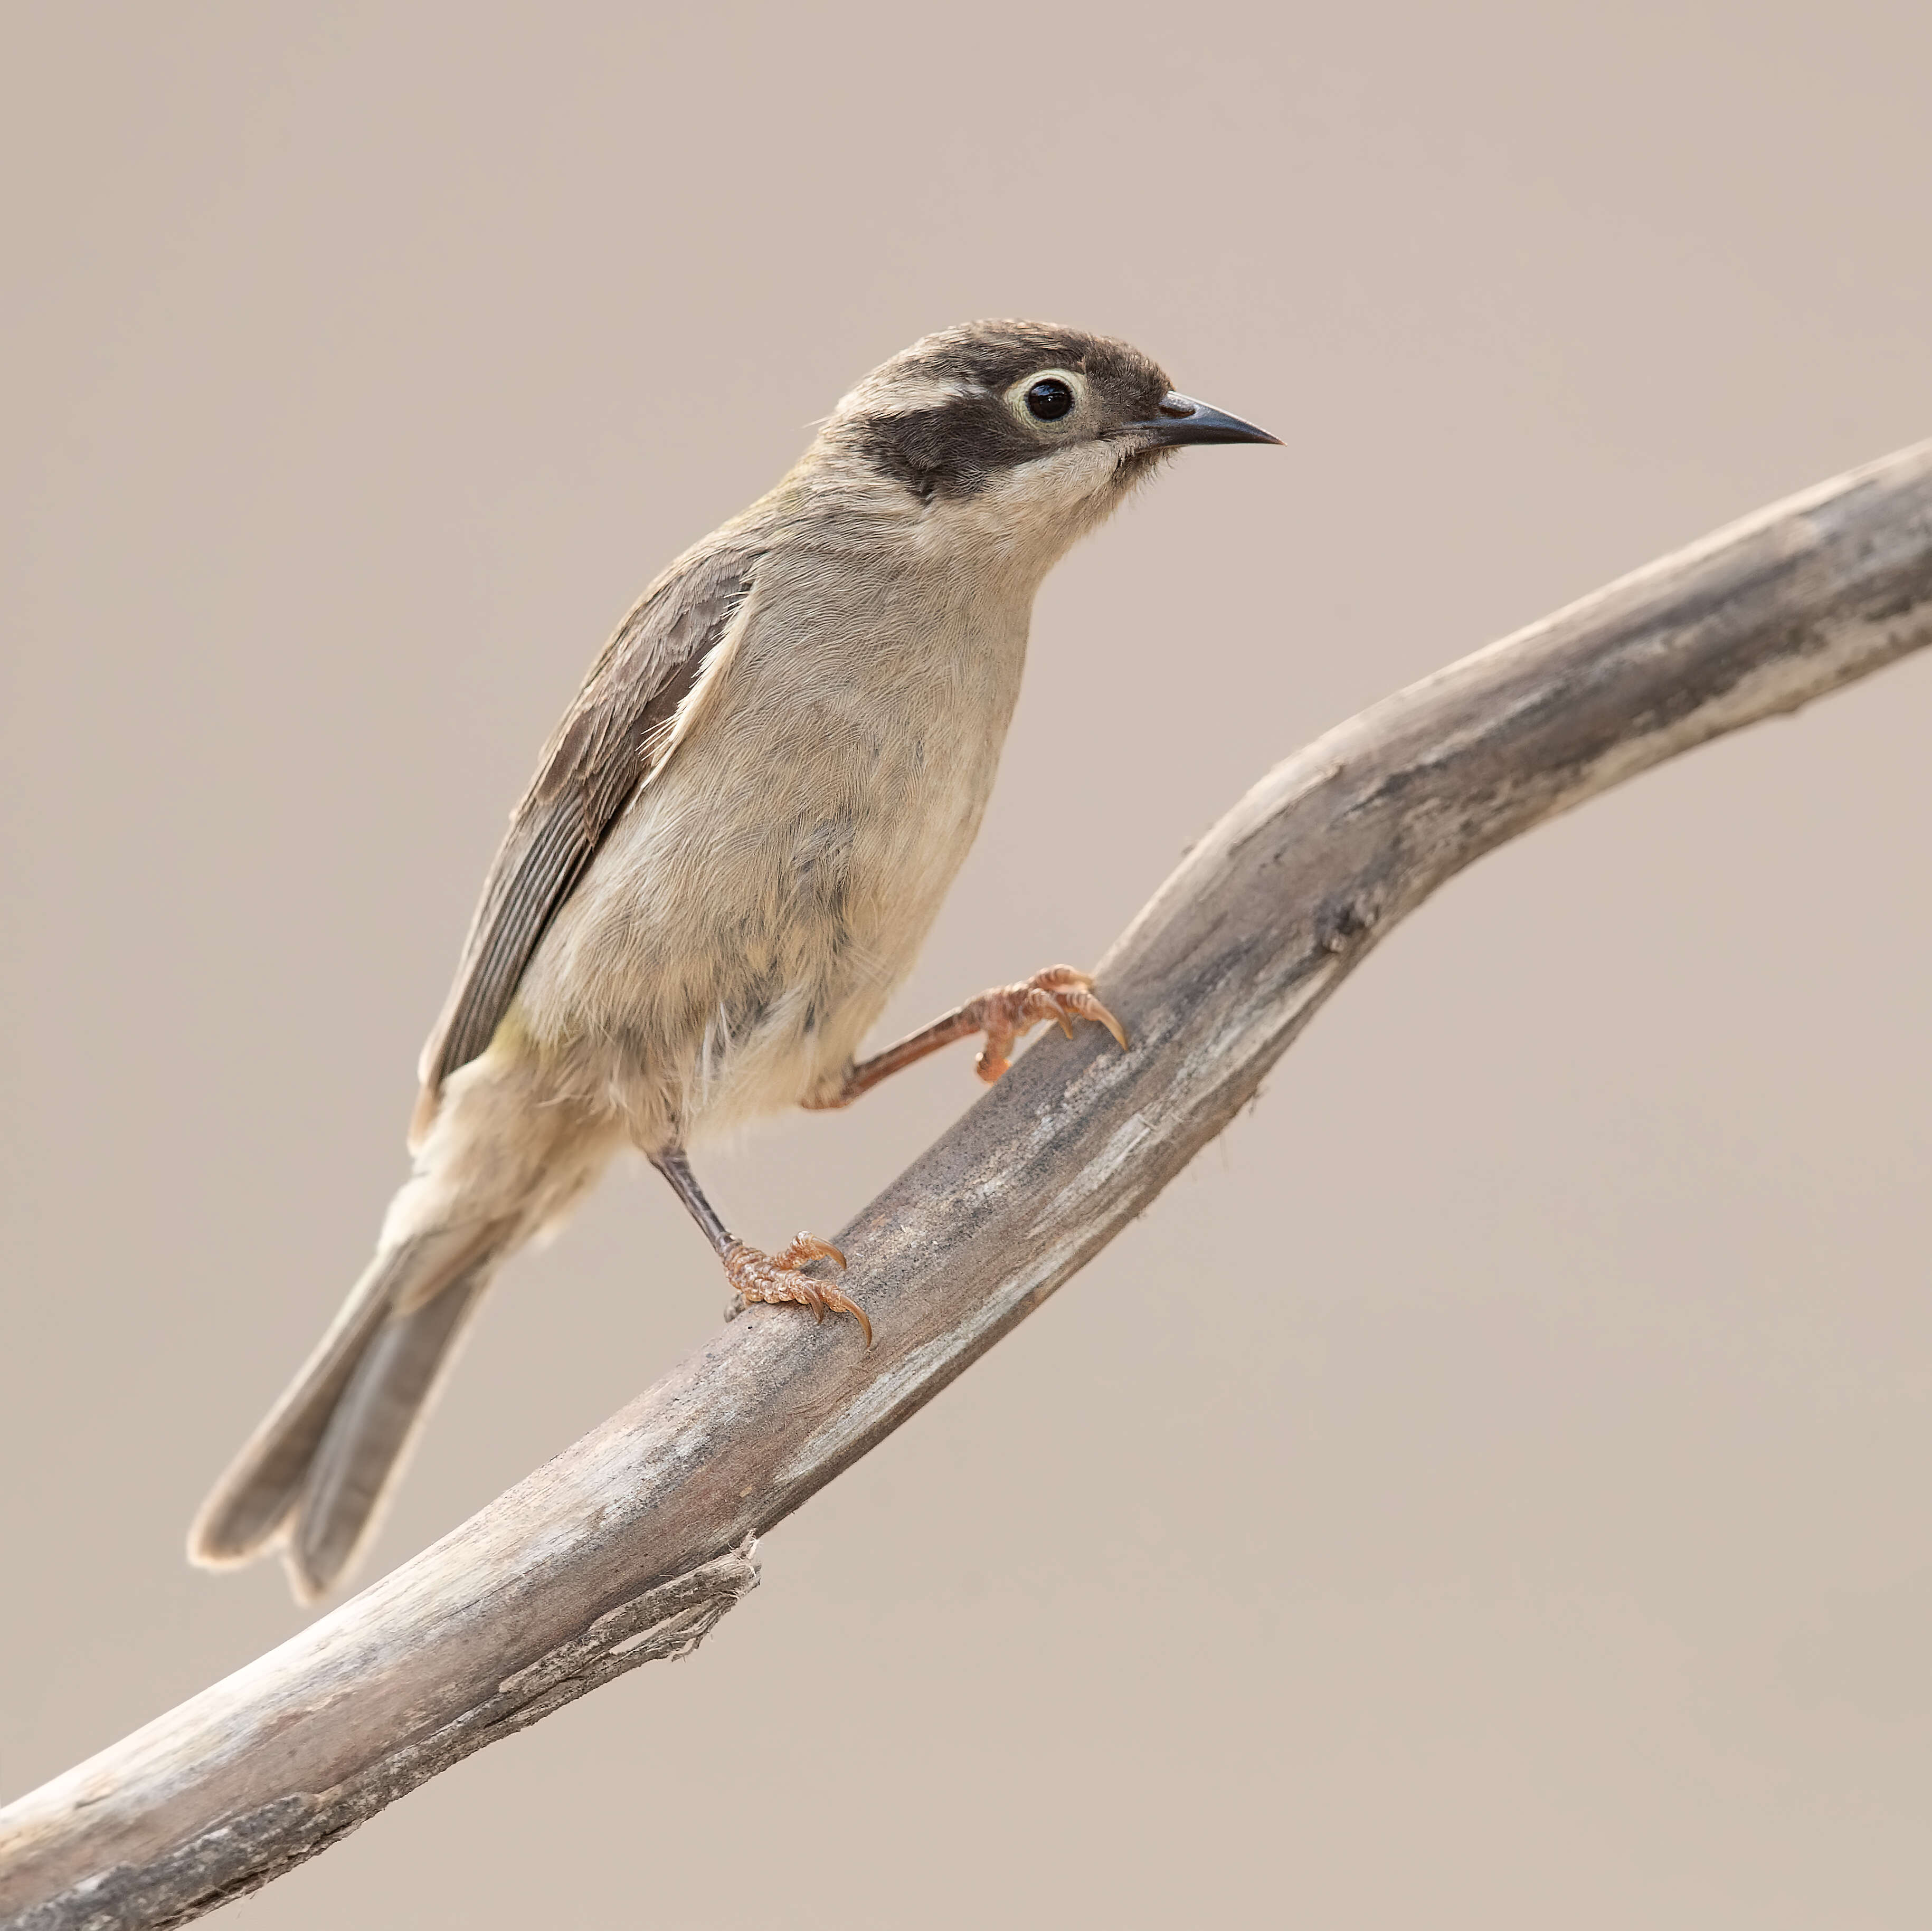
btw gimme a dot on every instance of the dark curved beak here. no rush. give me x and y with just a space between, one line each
1179 418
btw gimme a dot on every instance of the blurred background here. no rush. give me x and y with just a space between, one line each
1550 1542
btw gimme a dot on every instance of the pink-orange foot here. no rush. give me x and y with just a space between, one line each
778 1278
1003 1015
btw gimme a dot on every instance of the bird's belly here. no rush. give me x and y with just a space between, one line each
744 925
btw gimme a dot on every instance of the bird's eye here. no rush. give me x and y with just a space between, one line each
1049 399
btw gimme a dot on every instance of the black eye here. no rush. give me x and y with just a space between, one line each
1049 399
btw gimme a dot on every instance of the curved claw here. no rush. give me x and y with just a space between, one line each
809 1247
841 1303
1085 1003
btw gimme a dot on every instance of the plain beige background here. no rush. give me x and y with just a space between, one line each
1492 1489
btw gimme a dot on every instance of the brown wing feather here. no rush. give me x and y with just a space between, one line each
609 742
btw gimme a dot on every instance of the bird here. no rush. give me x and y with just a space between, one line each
736 840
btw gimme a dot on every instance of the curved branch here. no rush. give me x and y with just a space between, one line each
632 1543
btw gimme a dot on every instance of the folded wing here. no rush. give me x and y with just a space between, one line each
623 725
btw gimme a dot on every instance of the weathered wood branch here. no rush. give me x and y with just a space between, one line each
632 1543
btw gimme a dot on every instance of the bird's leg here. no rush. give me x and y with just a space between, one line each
761 1277
1003 1016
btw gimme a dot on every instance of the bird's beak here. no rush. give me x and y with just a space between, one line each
1179 418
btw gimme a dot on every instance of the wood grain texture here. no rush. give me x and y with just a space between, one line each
631 1544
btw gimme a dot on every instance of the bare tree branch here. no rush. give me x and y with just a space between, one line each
632 1543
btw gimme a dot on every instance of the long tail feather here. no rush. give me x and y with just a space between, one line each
312 1476
362 1452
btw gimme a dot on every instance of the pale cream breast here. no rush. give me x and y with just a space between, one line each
744 922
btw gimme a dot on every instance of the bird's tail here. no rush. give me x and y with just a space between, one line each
312 1479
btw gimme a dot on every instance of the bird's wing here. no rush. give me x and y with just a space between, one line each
635 705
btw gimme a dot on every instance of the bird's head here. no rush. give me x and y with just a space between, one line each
1018 432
